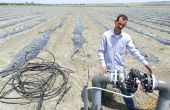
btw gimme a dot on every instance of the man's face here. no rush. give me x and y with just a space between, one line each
120 24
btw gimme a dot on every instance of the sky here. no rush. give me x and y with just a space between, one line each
76 1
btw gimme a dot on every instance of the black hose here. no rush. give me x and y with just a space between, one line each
36 82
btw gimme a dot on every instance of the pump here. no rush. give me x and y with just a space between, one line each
132 82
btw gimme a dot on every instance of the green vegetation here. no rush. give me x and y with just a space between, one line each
70 5
162 48
165 3
26 3
109 96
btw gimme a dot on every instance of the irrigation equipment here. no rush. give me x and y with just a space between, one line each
20 29
148 56
149 34
132 83
146 25
107 27
163 23
8 18
16 15
19 58
38 80
78 38
17 22
37 45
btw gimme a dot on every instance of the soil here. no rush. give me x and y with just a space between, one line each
61 45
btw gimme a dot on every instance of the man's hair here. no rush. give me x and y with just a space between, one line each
124 17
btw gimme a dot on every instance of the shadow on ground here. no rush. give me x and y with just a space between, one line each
111 105
114 105
108 102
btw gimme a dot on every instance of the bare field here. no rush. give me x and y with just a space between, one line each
144 26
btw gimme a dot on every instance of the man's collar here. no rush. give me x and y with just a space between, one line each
113 34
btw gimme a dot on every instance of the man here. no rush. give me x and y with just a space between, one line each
111 55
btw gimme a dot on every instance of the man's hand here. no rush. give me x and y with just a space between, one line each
149 68
103 70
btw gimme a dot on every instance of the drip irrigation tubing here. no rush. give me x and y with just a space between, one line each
20 29
149 34
17 22
36 82
78 38
36 45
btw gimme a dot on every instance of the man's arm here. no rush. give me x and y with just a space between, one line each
101 52
134 52
149 68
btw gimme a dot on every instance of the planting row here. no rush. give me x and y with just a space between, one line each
78 38
143 32
32 48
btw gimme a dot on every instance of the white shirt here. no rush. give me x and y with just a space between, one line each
112 48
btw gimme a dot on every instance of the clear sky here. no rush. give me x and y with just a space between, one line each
77 1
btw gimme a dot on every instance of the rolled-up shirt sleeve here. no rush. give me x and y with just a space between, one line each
101 51
135 53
